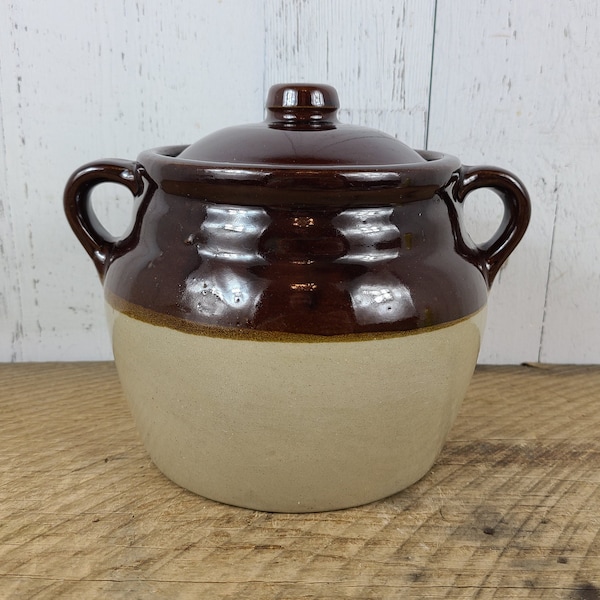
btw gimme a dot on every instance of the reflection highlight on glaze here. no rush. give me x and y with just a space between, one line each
232 233
381 299
228 237
368 231
217 292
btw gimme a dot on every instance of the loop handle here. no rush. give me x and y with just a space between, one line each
94 238
517 212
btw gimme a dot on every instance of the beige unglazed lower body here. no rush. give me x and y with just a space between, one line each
294 426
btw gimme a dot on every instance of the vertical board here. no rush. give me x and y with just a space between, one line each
503 93
377 53
10 314
571 331
85 80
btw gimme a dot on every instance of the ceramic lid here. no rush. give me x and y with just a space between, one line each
301 129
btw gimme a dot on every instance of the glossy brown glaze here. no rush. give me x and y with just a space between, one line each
301 129
326 272
297 225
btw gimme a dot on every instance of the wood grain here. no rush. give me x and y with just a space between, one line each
510 510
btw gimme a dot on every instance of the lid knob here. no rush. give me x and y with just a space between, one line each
302 103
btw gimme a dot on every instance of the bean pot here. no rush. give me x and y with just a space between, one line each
296 309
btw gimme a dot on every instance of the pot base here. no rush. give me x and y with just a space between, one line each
294 426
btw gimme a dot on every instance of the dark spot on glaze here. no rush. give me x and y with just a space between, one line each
562 560
489 531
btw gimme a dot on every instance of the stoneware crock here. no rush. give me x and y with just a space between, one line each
296 309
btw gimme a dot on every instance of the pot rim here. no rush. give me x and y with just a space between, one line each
256 183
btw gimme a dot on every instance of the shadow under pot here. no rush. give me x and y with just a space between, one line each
296 309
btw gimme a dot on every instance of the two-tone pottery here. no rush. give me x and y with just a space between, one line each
296 310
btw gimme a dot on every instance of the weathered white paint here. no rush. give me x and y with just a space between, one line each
571 329
507 83
377 54
80 81
516 86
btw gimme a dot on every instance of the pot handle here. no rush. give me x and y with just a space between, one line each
94 238
517 212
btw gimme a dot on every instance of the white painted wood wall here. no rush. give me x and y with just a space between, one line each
512 83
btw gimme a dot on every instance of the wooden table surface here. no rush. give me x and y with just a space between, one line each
510 510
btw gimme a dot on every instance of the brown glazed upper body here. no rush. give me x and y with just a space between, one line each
297 225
